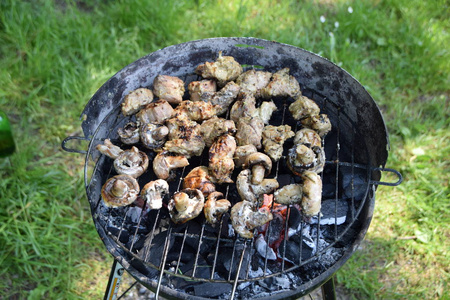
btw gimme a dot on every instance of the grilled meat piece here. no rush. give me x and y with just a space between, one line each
185 205
245 217
252 82
215 127
131 162
169 88
164 163
120 190
199 178
202 90
224 69
129 134
223 98
249 131
214 209
221 163
184 137
312 193
153 135
154 192
155 112
319 123
281 84
135 100
244 107
196 111
273 138
266 110
303 107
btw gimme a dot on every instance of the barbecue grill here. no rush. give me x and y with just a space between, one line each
198 261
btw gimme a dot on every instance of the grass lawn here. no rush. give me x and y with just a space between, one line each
55 54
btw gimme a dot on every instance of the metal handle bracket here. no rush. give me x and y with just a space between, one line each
69 138
399 176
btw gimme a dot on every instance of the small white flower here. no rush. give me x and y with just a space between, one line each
336 24
322 19
350 9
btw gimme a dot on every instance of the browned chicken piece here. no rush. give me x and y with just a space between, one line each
169 88
303 107
244 107
289 194
131 162
273 138
185 205
252 82
312 193
155 112
202 90
253 192
129 134
109 149
319 123
135 100
265 111
249 131
245 217
282 84
223 98
307 153
241 154
154 192
199 178
153 135
214 209
164 163
221 163
224 69
196 111
184 137
120 190
215 127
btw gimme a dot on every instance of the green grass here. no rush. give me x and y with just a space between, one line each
55 54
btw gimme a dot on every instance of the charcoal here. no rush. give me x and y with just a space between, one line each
209 289
123 235
295 218
153 249
356 182
290 251
276 229
333 212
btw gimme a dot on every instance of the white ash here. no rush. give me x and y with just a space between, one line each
263 249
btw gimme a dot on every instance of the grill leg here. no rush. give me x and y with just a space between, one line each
114 281
328 292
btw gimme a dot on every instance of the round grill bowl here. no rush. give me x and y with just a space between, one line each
356 152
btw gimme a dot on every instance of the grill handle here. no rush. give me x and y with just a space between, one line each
397 173
69 138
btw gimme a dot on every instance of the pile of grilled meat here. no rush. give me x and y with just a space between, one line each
223 118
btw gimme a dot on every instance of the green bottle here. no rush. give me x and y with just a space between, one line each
7 145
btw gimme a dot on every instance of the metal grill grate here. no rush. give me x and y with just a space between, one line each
122 224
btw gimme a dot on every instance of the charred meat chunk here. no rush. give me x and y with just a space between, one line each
224 69
253 82
221 163
273 138
184 137
202 90
215 127
249 131
199 178
303 107
155 112
169 88
135 100
282 84
319 123
196 111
